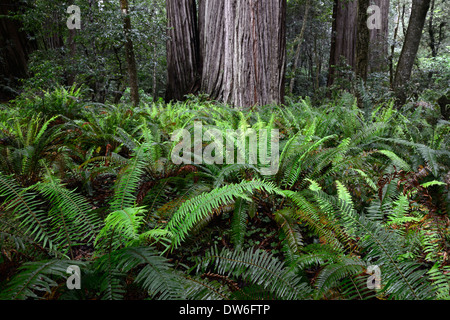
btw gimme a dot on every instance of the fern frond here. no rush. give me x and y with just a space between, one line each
34 277
121 228
441 281
28 209
156 275
200 289
403 279
316 255
333 274
291 236
239 223
110 277
195 209
296 169
259 268
72 210
396 160
319 222
128 181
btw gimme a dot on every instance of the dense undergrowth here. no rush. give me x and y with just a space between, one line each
93 185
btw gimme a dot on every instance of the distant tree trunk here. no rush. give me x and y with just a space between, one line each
405 64
72 51
317 63
15 48
129 52
243 46
432 42
378 48
154 46
353 43
391 55
362 41
183 52
343 38
299 46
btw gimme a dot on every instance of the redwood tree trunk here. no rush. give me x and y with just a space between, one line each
243 45
362 41
405 64
343 38
353 43
183 52
212 46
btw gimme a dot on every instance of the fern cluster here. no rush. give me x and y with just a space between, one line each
356 190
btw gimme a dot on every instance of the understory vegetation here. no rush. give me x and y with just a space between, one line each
93 185
96 95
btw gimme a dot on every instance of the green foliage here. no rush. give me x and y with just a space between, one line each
70 215
37 277
121 228
353 190
56 102
401 279
28 147
28 208
96 56
193 210
260 269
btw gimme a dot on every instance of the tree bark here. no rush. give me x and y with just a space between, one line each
129 52
391 56
243 45
212 22
353 43
378 51
362 41
183 52
378 47
343 38
405 64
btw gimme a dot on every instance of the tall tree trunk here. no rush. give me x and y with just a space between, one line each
183 52
362 41
405 64
343 38
299 46
129 52
432 43
391 55
243 45
212 22
378 48
15 48
317 63
352 42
